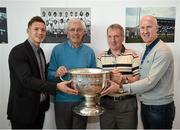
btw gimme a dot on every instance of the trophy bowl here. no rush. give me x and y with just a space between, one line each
89 82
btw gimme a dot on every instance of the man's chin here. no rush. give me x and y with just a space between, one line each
76 42
146 40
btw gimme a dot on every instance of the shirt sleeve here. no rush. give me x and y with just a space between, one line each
98 63
161 61
98 60
135 65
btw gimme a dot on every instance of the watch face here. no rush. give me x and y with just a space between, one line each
126 81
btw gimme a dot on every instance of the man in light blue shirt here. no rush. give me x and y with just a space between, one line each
155 87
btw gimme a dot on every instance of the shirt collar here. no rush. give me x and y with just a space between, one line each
153 44
70 44
33 46
121 51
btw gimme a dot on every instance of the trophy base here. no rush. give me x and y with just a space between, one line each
88 111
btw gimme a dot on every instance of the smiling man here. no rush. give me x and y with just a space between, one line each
69 55
156 84
29 89
120 109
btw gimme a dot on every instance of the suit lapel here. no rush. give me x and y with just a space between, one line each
31 53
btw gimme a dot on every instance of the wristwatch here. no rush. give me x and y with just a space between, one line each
126 80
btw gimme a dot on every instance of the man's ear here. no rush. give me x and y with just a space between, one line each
157 29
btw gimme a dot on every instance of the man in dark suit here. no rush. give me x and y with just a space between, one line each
29 90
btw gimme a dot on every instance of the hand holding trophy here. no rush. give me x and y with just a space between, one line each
116 76
116 79
89 82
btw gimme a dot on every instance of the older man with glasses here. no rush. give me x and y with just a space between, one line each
69 55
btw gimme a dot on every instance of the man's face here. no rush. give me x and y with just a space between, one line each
115 39
37 32
148 30
75 33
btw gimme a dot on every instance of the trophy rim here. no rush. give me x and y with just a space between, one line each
87 71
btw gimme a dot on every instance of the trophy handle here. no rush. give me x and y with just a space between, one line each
63 79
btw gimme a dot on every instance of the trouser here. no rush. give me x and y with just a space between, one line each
158 116
66 118
37 124
119 114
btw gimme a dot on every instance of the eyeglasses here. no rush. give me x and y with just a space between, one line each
78 30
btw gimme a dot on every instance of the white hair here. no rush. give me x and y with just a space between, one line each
76 20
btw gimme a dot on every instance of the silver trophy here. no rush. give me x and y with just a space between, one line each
89 82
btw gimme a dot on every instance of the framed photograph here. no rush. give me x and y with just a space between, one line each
3 26
56 20
165 18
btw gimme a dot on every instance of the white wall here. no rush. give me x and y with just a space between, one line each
103 13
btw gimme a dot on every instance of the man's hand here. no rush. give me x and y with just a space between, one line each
61 71
116 76
64 87
114 87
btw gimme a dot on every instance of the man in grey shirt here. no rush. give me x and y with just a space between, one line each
155 87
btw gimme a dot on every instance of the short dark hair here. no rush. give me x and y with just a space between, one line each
35 19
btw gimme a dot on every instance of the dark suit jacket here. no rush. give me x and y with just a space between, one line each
26 85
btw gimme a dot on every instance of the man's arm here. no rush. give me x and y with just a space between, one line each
160 63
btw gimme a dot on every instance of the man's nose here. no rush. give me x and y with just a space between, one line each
145 30
113 39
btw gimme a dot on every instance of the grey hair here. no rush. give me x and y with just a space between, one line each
75 20
117 26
